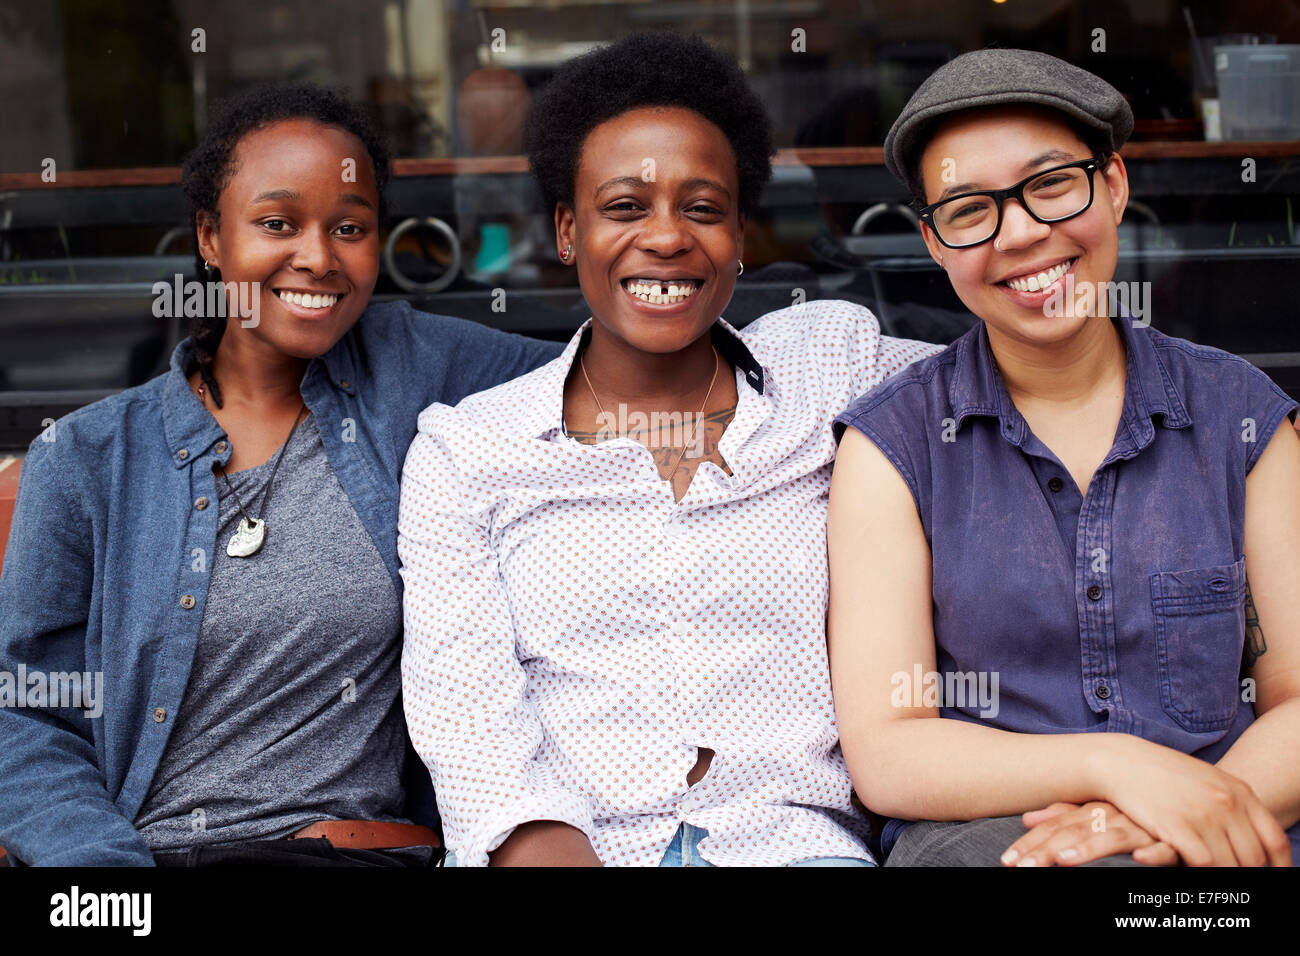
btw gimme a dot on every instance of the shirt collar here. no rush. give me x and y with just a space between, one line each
190 429
1149 389
977 387
547 412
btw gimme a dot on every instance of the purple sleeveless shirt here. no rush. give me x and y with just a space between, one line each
1121 611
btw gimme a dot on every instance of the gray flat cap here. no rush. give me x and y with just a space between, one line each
995 77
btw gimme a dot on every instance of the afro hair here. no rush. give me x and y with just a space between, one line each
644 70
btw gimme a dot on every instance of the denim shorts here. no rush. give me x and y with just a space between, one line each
685 851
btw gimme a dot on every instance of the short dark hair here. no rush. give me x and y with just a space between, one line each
209 168
641 70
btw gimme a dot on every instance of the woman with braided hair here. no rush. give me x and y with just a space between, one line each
220 543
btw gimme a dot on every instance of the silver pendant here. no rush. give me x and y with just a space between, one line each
248 539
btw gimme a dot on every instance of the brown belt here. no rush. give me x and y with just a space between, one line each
367 834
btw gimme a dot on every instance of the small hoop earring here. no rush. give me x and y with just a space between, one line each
568 251
207 269
741 270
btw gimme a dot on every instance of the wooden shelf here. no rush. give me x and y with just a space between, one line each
815 156
1193 149
92 178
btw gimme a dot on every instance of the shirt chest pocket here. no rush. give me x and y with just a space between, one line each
1200 626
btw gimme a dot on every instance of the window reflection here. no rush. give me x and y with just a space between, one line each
115 93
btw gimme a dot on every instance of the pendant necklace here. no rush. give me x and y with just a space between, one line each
251 533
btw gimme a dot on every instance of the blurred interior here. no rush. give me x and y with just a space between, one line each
116 93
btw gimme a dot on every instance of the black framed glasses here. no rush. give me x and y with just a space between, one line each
1052 195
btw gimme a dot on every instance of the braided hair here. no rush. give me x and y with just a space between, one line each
209 168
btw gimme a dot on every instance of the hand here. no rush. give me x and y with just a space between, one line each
1066 834
1208 816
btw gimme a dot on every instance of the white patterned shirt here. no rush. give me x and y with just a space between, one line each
574 633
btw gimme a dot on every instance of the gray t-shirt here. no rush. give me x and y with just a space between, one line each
291 714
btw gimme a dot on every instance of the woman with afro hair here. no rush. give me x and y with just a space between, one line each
615 565
215 550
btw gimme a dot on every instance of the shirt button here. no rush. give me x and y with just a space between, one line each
200 503
1103 692
183 454
187 601
344 383
679 628
221 447
159 715
1055 484
1094 593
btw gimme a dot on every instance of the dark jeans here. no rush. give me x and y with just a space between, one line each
974 843
304 852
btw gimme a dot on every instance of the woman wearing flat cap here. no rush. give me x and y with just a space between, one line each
1064 618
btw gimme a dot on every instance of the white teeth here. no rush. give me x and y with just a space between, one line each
1041 281
660 292
310 301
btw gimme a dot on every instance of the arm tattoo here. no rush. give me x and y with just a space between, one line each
1255 644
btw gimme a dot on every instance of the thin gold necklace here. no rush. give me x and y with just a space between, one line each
695 426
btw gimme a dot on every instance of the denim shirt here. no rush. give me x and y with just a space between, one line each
1121 610
112 537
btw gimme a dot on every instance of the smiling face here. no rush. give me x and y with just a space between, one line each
1009 287
655 229
289 221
